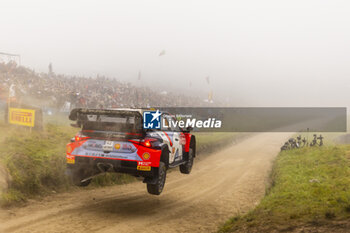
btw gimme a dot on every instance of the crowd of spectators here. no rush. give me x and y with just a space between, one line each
63 92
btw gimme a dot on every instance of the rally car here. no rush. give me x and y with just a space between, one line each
115 140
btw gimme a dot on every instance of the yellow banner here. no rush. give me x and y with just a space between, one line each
20 116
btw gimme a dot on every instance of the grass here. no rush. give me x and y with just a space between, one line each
211 142
308 186
35 161
209 138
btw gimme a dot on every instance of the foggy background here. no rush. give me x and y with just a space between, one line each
256 53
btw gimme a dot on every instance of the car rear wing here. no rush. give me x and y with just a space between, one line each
75 113
80 115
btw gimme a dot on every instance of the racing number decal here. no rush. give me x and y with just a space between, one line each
108 146
174 142
173 138
182 139
166 138
169 143
177 146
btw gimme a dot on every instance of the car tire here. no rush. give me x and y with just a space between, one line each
187 167
157 188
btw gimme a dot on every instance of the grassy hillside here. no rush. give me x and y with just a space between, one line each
35 160
211 142
310 187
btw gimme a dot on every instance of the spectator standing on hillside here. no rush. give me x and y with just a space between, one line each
50 68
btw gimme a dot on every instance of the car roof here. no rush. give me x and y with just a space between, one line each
127 109
73 116
140 110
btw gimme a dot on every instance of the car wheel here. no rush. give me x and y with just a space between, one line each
187 167
158 187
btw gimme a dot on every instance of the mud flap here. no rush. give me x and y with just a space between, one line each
150 180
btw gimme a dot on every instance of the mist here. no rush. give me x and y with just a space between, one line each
255 53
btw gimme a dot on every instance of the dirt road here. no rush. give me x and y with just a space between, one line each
220 185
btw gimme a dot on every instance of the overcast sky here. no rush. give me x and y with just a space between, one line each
258 53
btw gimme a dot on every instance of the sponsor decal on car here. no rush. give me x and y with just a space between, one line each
141 163
93 144
127 146
146 156
144 166
70 159
108 146
117 146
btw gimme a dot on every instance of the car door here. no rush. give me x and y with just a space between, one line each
171 138
179 141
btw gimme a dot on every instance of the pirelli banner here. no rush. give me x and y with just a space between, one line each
24 115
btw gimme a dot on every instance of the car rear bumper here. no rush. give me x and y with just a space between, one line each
112 165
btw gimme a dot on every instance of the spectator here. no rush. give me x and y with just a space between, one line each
55 91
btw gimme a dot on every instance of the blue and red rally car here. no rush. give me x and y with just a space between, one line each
115 140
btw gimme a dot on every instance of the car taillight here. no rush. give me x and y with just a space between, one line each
80 137
69 148
147 142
